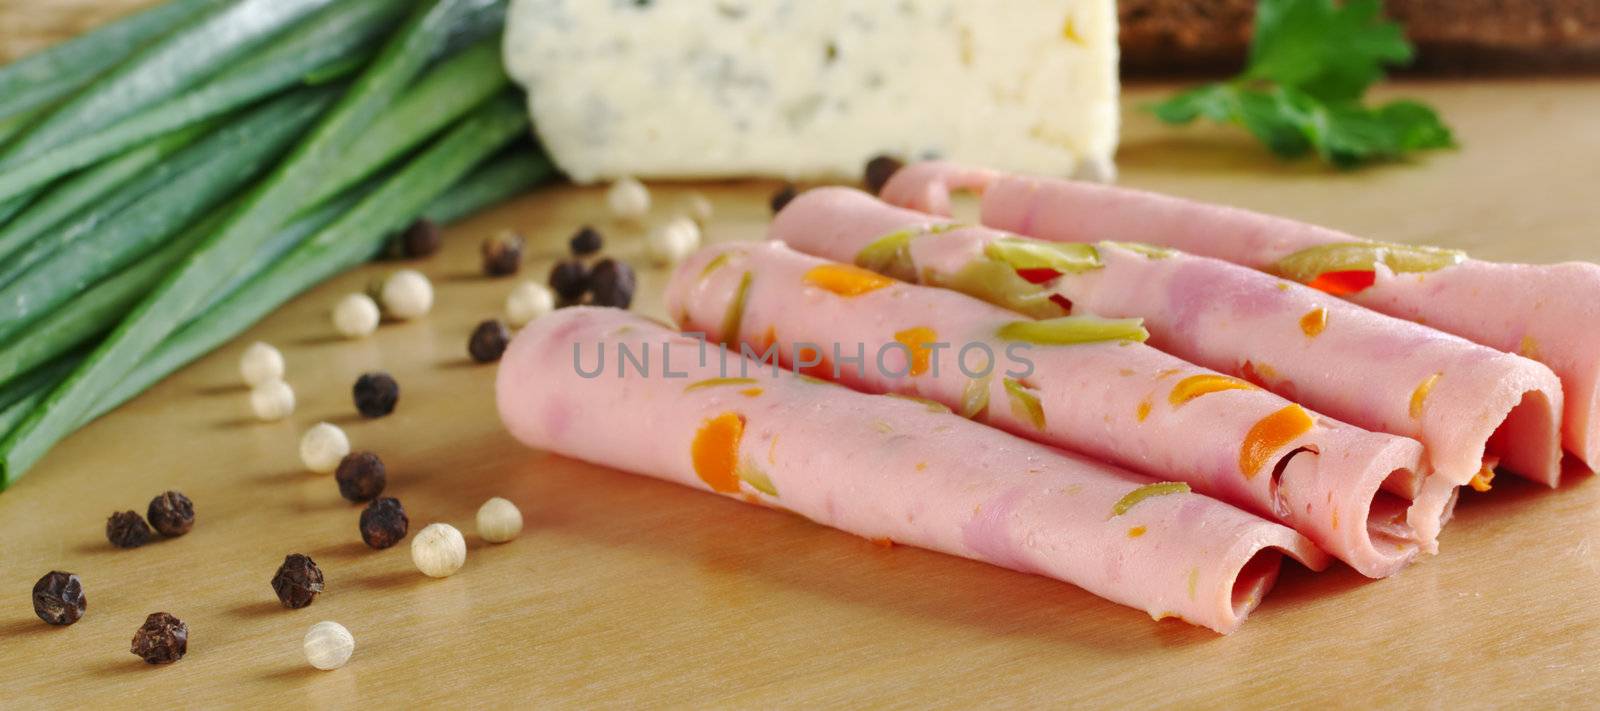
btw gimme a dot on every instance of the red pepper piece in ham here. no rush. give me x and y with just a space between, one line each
1545 312
1119 401
887 469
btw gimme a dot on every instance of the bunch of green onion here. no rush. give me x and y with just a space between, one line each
168 180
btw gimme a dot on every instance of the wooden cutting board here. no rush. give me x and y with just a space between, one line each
625 591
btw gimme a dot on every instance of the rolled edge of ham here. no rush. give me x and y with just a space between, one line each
1465 402
1108 400
887 469
1527 309
1546 312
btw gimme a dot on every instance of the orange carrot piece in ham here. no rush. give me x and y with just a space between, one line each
715 451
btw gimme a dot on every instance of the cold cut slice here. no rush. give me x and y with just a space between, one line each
885 468
1468 404
1119 401
1545 312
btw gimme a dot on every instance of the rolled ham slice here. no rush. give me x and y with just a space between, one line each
1545 312
884 468
1468 404
1119 401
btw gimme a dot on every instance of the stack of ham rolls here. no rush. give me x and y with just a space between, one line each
1152 399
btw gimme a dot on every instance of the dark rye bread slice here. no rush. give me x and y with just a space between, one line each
1207 36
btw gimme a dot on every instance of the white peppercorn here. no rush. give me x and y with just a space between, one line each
698 207
528 301
406 294
323 446
328 645
272 401
673 241
499 520
438 550
355 316
261 363
628 199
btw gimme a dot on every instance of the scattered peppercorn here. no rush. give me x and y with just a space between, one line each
272 401
171 514
782 197
58 598
502 253
328 645
673 241
628 199
260 364
323 446
361 476
126 529
879 170
421 239
356 316
612 284
163 639
499 520
406 294
297 581
698 207
438 550
375 394
569 279
528 301
488 341
586 241
384 523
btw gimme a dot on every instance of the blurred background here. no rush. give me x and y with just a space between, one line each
1166 37
1159 38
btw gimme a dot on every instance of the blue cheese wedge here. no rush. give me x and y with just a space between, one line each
812 89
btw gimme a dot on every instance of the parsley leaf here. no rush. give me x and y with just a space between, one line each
1310 63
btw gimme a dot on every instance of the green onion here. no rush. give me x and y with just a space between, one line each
20 397
190 287
336 37
35 81
352 240
161 69
508 175
96 310
12 125
78 192
68 261
439 98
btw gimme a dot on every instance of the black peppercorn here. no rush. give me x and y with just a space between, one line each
502 254
361 476
375 394
612 284
58 598
488 341
163 639
879 170
421 239
782 197
171 514
126 529
569 279
384 522
297 581
585 241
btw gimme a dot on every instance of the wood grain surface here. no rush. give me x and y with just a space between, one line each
624 591
31 25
